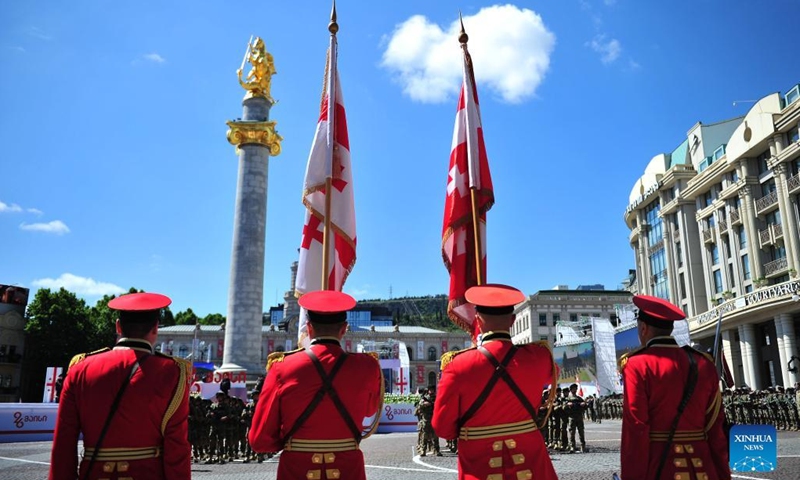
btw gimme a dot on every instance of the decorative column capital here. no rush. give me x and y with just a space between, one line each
244 132
780 168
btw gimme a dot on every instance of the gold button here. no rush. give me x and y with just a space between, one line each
511 443
122 466
524 475
495 462
314 474
332 473
109 467
681 476
497 446
495 476
702 476
697 462
680 462
689 448
518 458
316 458
678 448
330 457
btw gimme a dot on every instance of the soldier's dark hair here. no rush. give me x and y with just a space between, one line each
326 329
138 324
663 328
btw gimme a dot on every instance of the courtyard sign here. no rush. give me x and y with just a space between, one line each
761 295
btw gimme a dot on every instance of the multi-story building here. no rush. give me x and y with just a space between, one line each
424 345
714 229
538 315
12 340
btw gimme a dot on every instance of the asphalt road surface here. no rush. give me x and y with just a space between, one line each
391 456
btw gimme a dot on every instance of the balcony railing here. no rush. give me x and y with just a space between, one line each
708 235
777 231
723 225
676 235
793 183
765 237
767 201
775 266
734 215
657 246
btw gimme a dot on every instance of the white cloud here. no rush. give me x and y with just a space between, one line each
154 57
56 226
510 48
34 211
609 50
359 292
79 285
633 65
13 208
39 33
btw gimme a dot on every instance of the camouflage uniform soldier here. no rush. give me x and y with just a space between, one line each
555 420
194 421
542 414
420 423
218 416
426 411
575 410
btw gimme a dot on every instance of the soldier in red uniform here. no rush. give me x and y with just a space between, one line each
315 400
130 403
655 377
489 396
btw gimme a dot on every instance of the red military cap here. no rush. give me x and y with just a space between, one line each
657 309
327 306
494 298
140 302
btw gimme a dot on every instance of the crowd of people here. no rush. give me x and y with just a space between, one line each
772 406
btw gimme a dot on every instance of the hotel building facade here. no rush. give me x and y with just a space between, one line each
714 229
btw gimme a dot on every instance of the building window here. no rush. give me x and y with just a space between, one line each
714 254
431 354
556 318
543 338
762 163
679 254
573 317
682 286
731 277
746 266
794 135
717 281
655 234
742 238
432 379
542 319
748 289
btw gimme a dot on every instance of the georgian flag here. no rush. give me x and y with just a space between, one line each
469 169
329 157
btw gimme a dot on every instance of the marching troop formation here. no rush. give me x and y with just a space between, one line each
773 406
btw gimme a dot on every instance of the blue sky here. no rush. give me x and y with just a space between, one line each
116 171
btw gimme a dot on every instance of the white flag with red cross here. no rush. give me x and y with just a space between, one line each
329 158
469 170
50 379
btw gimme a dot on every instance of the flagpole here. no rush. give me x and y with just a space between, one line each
463 38
333 27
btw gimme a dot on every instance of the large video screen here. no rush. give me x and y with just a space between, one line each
576 362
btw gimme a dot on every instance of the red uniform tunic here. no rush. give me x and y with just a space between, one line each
654 378
324 446
147 437
500 440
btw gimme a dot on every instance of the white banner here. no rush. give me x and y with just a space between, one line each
605 357
420 350
27 422
50 378
398 417
681 333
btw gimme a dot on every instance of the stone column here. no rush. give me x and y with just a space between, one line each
789 348
255 139
748 216
752 371
782 359
733 355
787 216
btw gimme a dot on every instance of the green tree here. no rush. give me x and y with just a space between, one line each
187 317
57 327
103 323
213 319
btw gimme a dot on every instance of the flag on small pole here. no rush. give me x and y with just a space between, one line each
328 247
469 196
